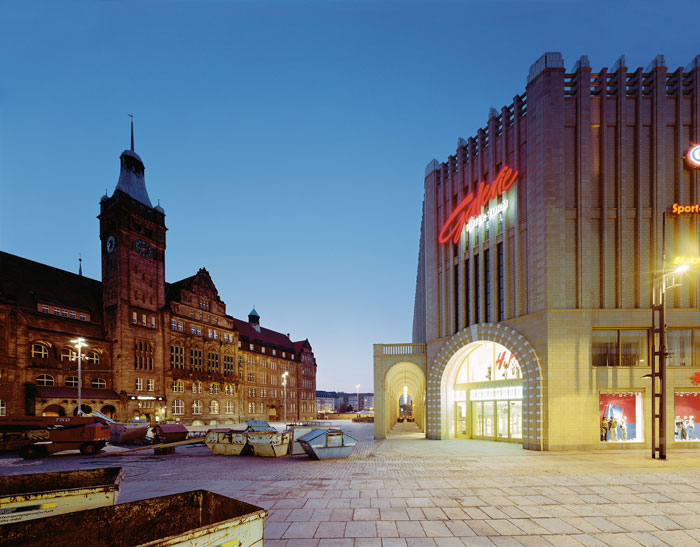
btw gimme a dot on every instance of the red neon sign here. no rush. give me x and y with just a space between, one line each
471 205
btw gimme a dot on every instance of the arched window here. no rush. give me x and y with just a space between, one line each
196 407
92 357
178 407
3 408
72 381
99 383
213 407
68 354
228 407
40 351
44 380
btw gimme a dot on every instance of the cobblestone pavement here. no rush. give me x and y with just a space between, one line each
409 491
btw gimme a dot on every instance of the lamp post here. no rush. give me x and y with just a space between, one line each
284 384
357 388
79 343
658 365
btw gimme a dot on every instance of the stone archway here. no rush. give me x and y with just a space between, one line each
410 375
438 418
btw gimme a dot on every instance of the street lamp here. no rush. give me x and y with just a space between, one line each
357 388
284 384
79 343
658 389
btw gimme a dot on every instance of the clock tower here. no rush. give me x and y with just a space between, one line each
132 235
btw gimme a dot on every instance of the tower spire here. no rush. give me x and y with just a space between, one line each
132 131
80 267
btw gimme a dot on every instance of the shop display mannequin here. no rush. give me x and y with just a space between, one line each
623 428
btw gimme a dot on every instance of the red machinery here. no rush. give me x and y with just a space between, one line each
37 436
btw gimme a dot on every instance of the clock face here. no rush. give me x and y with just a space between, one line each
110 244
143 248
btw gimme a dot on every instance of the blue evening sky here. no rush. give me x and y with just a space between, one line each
286 140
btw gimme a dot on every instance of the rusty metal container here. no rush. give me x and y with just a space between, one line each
229 442
269 444
323 444
170 433
198 518
38 495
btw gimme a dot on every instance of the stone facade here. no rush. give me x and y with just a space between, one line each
575 253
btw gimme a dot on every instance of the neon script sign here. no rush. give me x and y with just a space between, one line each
471 205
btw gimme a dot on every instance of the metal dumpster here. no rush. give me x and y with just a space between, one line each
269 444
299 430
198 518
322 444
37 495
231 442
170 433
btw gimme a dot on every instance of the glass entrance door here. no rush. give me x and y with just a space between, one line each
489 422
502 420
516 419
492 420
461 419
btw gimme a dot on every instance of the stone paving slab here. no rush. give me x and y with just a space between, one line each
407 491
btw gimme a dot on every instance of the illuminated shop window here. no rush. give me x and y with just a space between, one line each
621 417
686 410
488 362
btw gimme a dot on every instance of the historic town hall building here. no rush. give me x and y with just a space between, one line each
155 350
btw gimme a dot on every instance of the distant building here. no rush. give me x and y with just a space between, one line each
335 401
155 350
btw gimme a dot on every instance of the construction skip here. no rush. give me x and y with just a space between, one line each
197 519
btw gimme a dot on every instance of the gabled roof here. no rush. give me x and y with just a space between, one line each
172 290
200 284
25 283
265 337
299 346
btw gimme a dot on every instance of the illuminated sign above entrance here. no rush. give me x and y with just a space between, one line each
686 260
470 206
679 209
693 156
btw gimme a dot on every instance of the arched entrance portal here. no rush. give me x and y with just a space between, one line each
488 392
442 394
405 380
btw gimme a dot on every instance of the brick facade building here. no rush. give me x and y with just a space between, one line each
156 350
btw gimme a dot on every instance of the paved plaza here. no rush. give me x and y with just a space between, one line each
406 490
